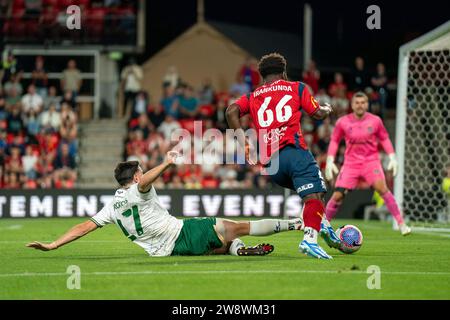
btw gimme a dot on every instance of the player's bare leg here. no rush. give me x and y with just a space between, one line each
230 231
389 200
313 213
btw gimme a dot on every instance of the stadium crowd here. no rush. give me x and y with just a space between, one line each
151 123
45 21
38 126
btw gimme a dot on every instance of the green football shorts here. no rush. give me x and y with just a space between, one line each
197 237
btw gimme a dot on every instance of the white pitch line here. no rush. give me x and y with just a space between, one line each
30 274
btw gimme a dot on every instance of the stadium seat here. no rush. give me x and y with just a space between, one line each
187 124
18 4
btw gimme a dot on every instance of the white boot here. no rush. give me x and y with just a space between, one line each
404 229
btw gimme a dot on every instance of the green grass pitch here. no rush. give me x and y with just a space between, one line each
112 267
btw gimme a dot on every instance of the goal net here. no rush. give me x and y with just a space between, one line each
423 130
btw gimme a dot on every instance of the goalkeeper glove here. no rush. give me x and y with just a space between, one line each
330 169
393 164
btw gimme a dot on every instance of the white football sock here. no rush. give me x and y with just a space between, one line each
310 235
270 226
235 245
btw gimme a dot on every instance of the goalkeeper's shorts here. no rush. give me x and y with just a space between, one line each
358 175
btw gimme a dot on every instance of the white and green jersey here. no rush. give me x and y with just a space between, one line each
143 219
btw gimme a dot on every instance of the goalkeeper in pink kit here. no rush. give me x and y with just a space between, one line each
362 132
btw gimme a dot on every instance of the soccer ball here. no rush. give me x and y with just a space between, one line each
351 238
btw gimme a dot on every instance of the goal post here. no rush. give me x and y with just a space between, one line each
423 129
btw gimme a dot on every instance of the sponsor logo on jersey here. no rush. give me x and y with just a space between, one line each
305 187
274 135
370 129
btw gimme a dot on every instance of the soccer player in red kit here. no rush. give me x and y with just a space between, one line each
362 131
275 108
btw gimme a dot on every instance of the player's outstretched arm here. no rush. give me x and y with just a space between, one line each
145 184
75 233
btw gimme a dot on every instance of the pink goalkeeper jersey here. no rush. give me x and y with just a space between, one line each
361 138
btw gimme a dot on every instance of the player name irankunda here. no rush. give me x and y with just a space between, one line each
271 88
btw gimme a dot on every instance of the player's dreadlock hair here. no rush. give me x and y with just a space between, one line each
273 63
125 171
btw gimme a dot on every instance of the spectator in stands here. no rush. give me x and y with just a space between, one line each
188 104
229 181
13 98
52 98
143 125
171 78
63 159
360 77
14 120
311 76
10 66
71 80
50 119
240 87
156 115
39 77
170 101
206 93
3 112
168 126
324 134
176 183
32 125
13 87
30 161
68 129
69 99
249 72
338 88
17 142
13 162
12 180
140 105
379 82
65 173
32 100
131 77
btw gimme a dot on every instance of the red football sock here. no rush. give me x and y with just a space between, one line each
313 212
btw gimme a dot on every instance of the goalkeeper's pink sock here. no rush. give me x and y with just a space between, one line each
331 209
392 206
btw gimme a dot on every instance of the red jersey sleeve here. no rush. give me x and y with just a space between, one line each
244 104
307 101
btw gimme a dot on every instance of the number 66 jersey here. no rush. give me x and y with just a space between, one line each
142 219
275 109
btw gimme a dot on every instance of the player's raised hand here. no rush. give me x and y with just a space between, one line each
42 246
173 157
393 164
331 169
